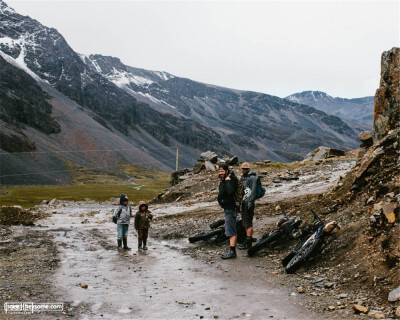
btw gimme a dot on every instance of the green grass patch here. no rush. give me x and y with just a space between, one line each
29 196
137 182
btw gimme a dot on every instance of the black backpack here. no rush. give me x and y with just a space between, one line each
260 189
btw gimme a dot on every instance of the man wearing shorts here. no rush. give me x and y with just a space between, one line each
228 189
250 193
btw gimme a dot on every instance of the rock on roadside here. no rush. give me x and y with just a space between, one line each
394 295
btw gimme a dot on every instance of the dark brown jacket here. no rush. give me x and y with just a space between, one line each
142 218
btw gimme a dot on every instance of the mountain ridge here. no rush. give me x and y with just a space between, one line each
187 97
144 109
355 109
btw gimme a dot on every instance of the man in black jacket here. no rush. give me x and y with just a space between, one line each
227 195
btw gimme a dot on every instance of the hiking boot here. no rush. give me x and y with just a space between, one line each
140 244
119 241
229 255
247 244
144 245
125 240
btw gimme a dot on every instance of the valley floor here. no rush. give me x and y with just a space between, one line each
174 279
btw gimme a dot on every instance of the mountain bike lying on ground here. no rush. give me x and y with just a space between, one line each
217 232
315 240
288 229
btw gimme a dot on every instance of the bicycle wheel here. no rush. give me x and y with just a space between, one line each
290 256
205 235
264 243
217 224
302 255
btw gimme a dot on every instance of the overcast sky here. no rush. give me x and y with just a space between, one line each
275 47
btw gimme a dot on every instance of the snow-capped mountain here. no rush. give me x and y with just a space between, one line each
264 125
54 99
62 87
358 109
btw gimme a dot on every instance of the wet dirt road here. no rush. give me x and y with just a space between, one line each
161 283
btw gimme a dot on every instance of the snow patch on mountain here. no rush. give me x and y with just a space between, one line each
155 100
85 79
18 62
293 99
5 9
123 78
9 42
163 75
86 59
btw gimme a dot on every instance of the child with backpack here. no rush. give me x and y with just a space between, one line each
121 217
142 224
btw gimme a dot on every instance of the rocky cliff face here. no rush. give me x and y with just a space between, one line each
23 103
370 191
387 97
358 109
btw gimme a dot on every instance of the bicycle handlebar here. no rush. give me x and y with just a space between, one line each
316 216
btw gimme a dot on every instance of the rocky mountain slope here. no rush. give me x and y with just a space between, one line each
105 117
253 125
64 107
46 53
358 109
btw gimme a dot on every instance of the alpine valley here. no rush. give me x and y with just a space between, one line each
61 109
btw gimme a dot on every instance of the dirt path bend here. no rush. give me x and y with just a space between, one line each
162 283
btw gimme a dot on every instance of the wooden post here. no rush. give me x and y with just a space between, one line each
177 157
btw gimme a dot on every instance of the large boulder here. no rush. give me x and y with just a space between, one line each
366 139
233 161
208 156
394 295
324 153
387 96
209 166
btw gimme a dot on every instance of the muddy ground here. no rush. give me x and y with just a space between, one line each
75 243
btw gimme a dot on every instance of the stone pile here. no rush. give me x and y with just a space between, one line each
210 161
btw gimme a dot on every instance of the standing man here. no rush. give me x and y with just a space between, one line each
228 199
249 181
